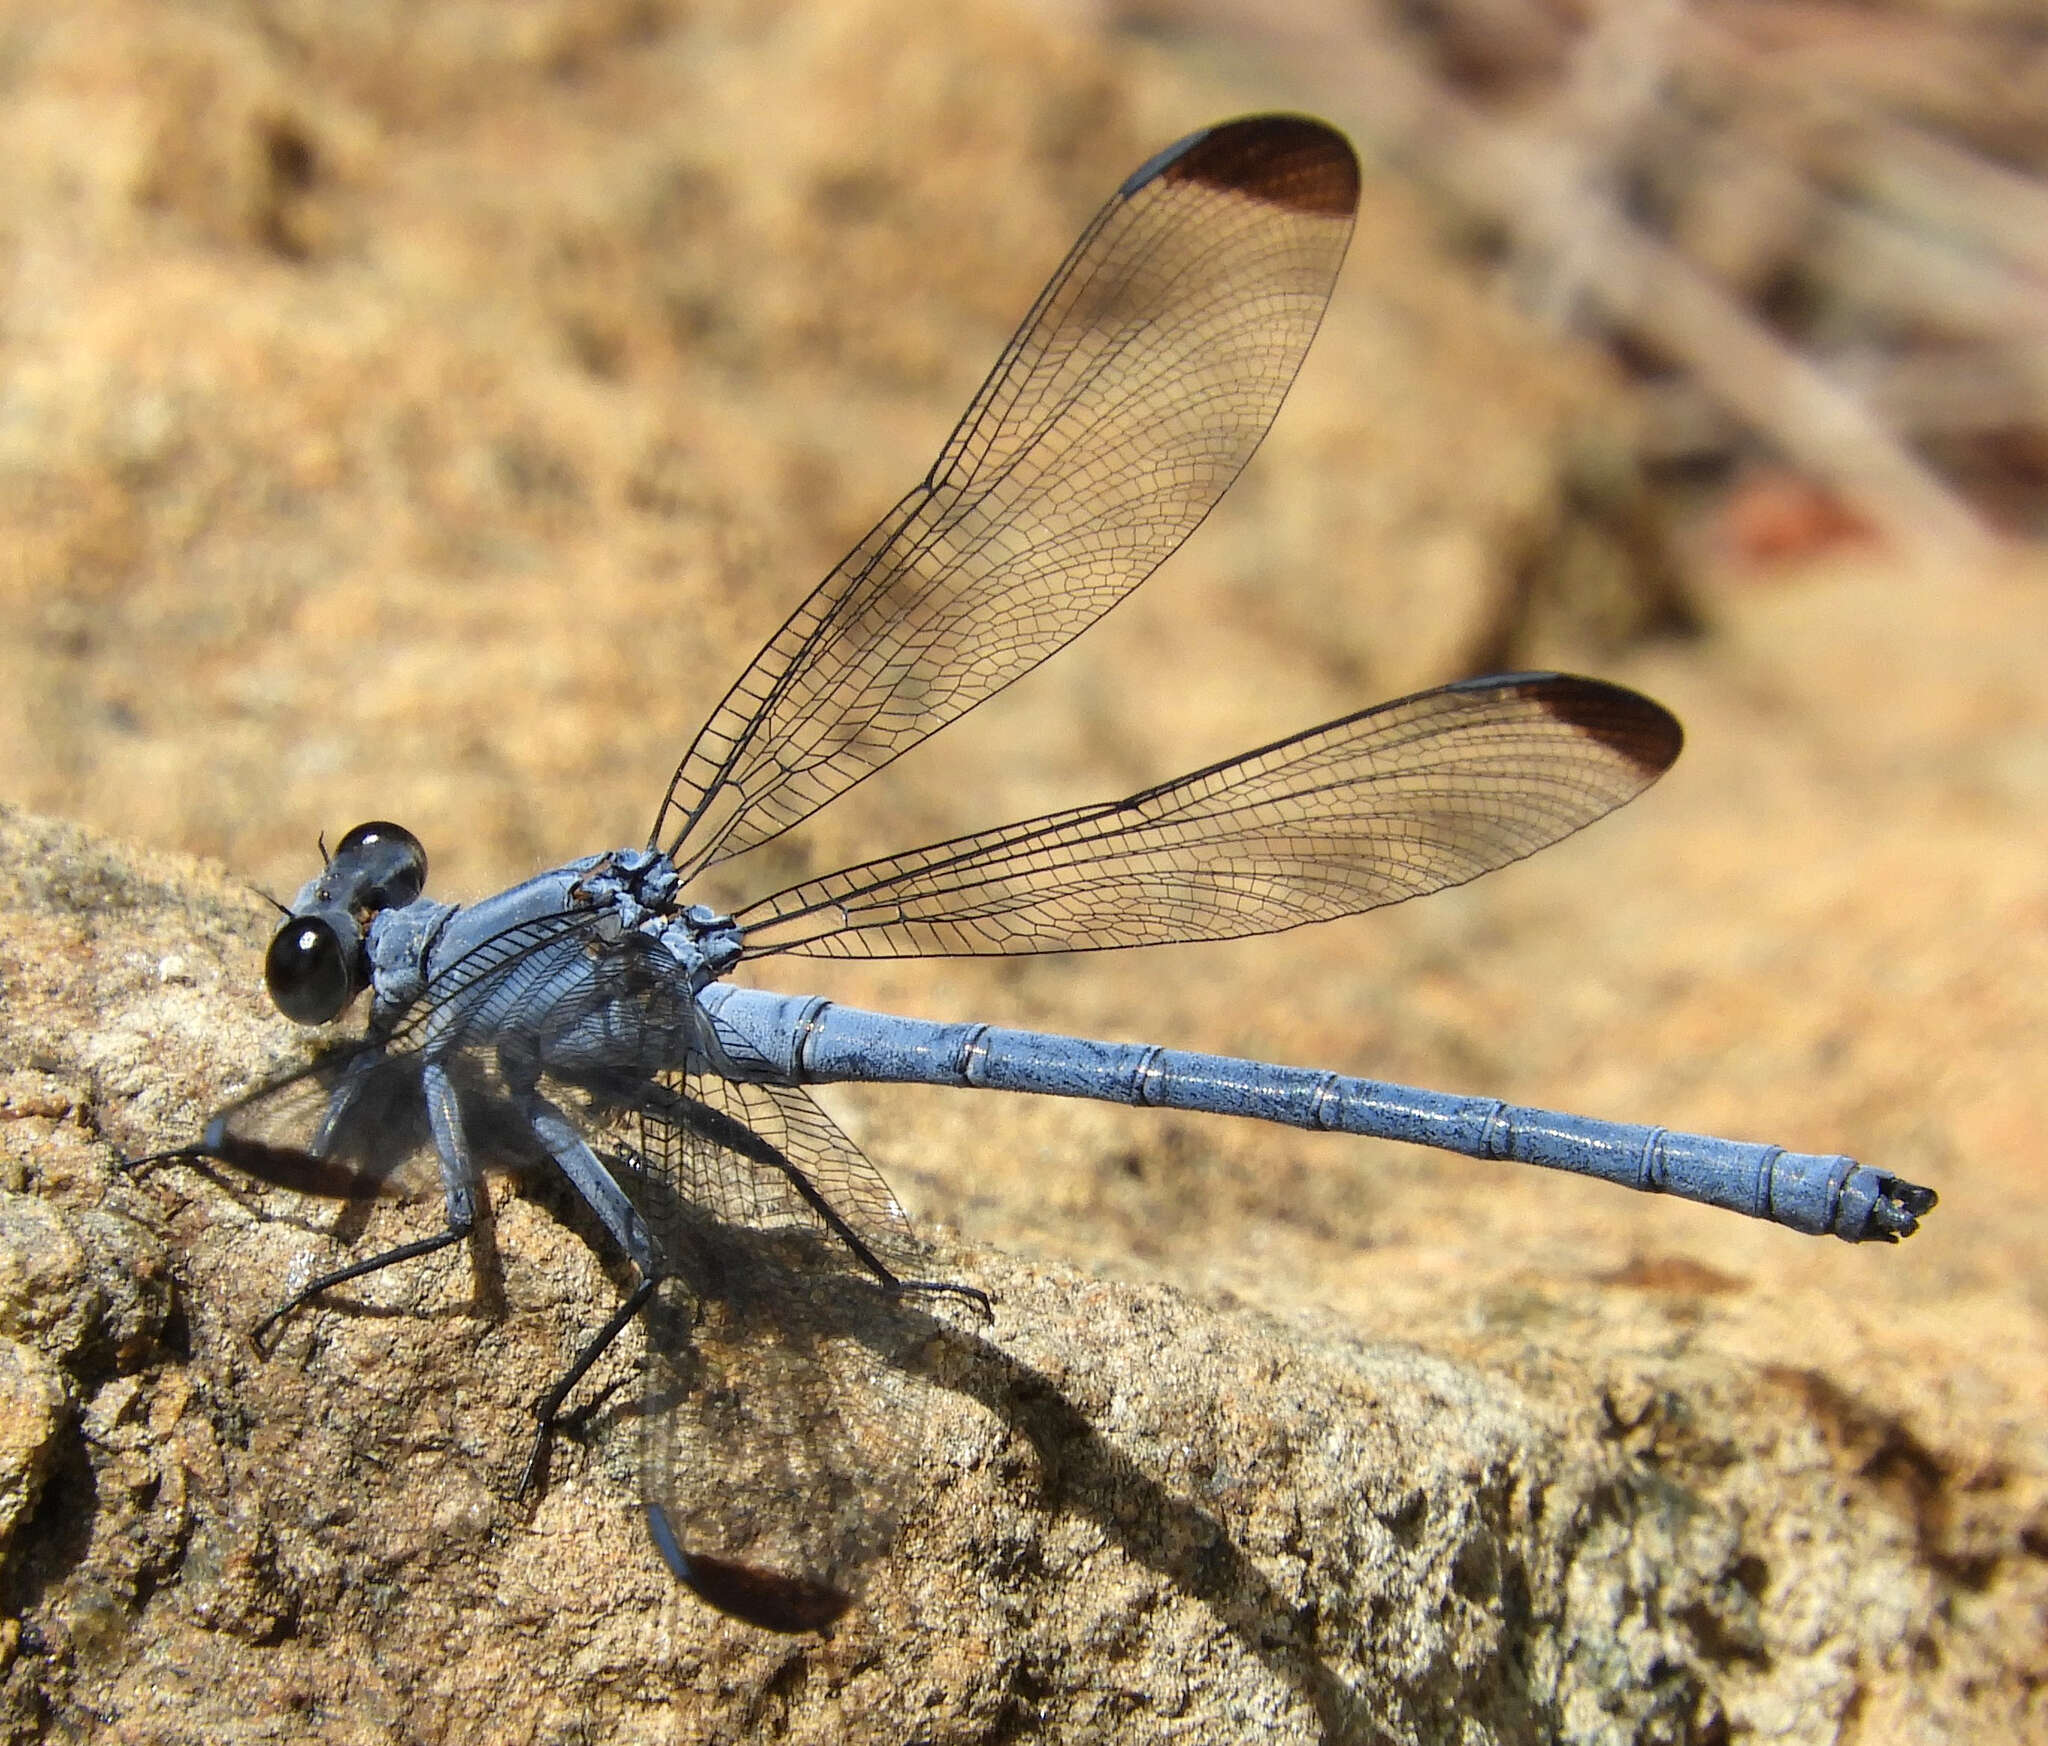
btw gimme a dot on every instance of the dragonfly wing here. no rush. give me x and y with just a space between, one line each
352 1126
783 1411
778 1159
1133 394
1407 798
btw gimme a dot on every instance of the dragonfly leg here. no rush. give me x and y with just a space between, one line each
455 1232
601 1191
982 1304
458 1182
547 1411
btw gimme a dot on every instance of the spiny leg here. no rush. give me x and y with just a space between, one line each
456 1231
548 1409
459 1227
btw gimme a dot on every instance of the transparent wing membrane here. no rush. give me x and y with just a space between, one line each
1384 805
765 1157
783 1408
1131 397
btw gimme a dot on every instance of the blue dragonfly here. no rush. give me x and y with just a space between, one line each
586 1021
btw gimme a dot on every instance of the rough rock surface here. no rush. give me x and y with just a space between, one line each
421 413
1133 1515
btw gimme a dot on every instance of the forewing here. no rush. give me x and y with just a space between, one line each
1134 392
1394 802
350 1127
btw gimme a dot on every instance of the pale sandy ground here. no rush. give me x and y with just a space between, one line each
425 422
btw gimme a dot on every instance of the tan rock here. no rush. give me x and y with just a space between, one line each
1123 1513
33 1411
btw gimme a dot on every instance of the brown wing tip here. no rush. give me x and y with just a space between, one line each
1627 723
774 1602
1292 161
292 1167
760 1597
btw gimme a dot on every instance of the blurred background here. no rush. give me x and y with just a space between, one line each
423 412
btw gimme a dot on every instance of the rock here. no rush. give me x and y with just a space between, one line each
73 1282
1122 1512
33 1411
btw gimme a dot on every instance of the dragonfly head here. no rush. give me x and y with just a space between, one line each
316 964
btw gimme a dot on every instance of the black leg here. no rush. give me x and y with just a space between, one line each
176 1155
356 1270
984 1305
548 1408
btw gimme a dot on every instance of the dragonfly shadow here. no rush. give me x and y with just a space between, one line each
792 1401
1165 1531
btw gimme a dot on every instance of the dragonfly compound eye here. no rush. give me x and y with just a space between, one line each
308 972
380 865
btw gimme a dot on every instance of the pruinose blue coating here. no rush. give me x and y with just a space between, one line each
814 1042
582 1021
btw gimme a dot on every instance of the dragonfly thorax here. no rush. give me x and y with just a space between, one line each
705 942
641 891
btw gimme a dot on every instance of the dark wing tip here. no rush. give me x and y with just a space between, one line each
1627 723
285 1166
1291 161
745 1591
766 1598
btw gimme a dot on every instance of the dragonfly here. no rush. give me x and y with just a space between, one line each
588 1020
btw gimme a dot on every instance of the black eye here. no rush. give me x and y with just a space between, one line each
383 863
307 972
